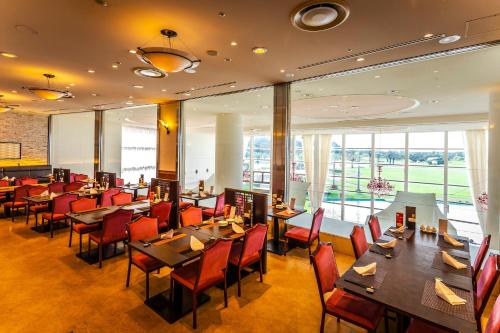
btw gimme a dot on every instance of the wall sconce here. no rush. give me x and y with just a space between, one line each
165 125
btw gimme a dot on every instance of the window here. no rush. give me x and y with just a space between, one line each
257 162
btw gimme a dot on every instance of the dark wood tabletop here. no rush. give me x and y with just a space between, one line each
97 215
403 286
133 186
282 213
197 197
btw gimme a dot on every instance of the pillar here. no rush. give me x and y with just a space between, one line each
493 220
168 141
228 151
281 139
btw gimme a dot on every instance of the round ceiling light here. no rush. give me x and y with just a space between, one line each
256 50
319 15
49 93
449 39
167 60
149 72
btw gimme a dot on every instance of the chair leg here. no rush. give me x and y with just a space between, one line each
260 270
88 249
239 281
128 272
80 244
285 250
194 309
225 291
322 325
100 255
114 250
70 233
147 285
171 290
51 228
28 214
36 218
309 249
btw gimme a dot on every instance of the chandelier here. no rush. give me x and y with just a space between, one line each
168 60
482 201
378 185
49 93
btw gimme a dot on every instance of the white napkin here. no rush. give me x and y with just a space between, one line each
447 294
366 270
452 241
93 191
53 195
12 179
81 189
168 235
447 259
5 178
44 193
203 195
398 230
388 245
237 229
195 244
209 221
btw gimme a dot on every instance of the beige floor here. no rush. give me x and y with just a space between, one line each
44 287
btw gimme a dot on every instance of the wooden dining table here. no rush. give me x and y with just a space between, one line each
134 188
404 281
275 245
174 253
196 198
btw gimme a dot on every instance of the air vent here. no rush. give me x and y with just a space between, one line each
369 52
319 15
206 87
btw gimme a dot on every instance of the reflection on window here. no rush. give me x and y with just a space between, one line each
138 153
257 162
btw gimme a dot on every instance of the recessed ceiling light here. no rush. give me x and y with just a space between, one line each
14 91
282 71
91 71
234 43
360 59
187 94
138 86
227 59
377 76
449 39
72 84
232 86
221 14
164 90
149 72
429 35
116 65
68 87
93 94
212 53
129 103
259 50
8 55
355 107
132 51
290 75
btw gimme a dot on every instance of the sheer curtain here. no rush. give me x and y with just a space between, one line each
476 156
138 154
324 143
307 144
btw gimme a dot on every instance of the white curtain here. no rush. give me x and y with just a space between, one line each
138 155
476 156
307 144
324 143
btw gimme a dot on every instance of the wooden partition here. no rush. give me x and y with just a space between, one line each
247 201
102 176
172 188
61 175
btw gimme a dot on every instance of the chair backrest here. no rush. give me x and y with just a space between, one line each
161 211
253 242
61 204
21 192
36 190
106 196
56 187
374 225
121 198
316 224
28 181
74 186
71 177
485 284
119 181
79 177
114 225
213 261
143 228
4 183
191 216
83 204
358 240
325 269
481 254
493 325
219 205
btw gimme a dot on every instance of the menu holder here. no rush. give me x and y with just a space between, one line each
443 226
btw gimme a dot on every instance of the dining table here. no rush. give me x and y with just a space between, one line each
276 245
134 188
8 191
96 216
196 198
404 281
175 252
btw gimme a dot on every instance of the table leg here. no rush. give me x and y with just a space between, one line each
274 245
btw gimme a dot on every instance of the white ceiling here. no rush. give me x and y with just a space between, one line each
67 38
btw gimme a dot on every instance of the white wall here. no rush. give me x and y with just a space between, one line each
200 155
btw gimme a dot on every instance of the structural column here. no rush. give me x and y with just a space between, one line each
169 137
228 151
281 139
493 220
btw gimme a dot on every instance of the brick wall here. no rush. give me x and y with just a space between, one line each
31 131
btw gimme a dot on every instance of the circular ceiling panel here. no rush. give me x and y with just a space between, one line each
319 15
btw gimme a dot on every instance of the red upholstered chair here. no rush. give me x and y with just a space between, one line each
119 182
161 211
36 190
204 273
3 183
56 187
184 205
191 216
71 177
113 230
485 285
143 197
60 207
74 186
106 196
249 252
18 200
77 206
374 225
481 253
142 229
358 240
121 198
218 210
79 177
493 325
304 235
28 181
341 304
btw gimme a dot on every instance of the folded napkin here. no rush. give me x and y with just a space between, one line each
203 195
44 193
12 179
237 229
53 195
81 189
447 294
366 270
168 235
195 244
93 191
447 259
5 178
398 230
452 240
388 245
289 210
209 221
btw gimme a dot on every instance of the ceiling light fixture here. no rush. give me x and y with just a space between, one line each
429 35
138 86
234 43
91 71
282 71
72 84
116 65
132 51
14 91
168 60
49 93
129 103
187 94
8 55
228 59
232 86
164 90
319 15
259 50
360 59
449 39
149 72
93 94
